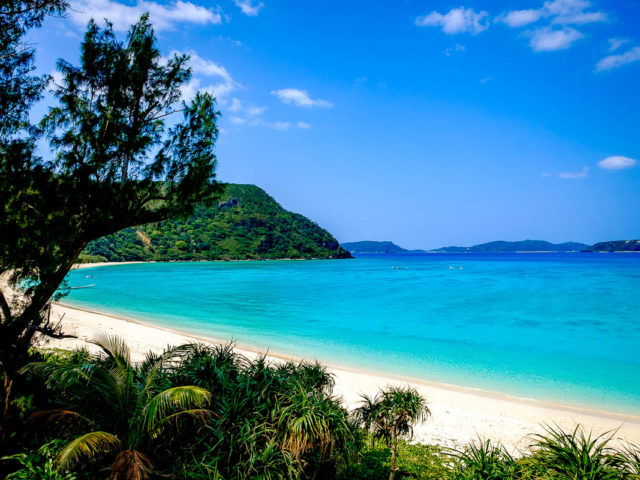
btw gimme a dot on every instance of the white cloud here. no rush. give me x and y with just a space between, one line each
485 79
558 13
57 79
300 98
615 61
205 68
248 8
239 109
286 125
616 43
252 116
572 12
617 162
163 16
574 175
547 39
456 20
456 48
520 18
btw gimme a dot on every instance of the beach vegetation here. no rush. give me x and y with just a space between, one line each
391 415
199 412
121 408
577 454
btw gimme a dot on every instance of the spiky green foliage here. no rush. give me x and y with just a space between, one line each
483 460
39 465
128 406
271 421
391 415
576 454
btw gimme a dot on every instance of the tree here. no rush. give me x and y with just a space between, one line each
19 90
124 404
391 414
121 158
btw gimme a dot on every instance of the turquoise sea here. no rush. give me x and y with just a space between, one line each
555 327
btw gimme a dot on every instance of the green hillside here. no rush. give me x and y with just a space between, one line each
616 246
246 224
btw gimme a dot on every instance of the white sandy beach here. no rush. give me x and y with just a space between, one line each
459 415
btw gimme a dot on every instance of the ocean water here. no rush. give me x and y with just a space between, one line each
555 327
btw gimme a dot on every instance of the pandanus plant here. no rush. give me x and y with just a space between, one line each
391 415
125 405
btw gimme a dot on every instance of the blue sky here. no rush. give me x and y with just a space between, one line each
426 123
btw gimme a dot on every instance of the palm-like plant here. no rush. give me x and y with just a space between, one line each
484 460
126 406
391 414
576 454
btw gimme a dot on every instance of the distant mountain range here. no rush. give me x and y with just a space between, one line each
514 247
491 247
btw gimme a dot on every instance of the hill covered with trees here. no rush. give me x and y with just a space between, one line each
246 224
616 246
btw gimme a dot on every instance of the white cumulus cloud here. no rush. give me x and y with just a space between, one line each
248 7
203 68
163 16
520 18
560 16
548 39
617 162
456 20
300 98
572 11
615 61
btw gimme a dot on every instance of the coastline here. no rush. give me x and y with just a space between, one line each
460 414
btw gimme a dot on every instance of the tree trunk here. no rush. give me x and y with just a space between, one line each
394 449
16 335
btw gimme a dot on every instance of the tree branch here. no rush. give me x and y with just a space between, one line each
6 309
51 332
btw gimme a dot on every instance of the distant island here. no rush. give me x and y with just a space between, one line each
370 247
247 223
515 247
375 247
616 246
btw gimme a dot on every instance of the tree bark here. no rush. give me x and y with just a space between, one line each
394 449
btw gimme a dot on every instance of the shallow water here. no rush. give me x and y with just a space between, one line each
555 327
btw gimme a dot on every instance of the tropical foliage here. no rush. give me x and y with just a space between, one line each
246 224
391 415
207 412
125 408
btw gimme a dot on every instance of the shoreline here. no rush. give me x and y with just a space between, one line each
489 394
461 414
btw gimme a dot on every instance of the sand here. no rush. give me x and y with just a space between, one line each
459 415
